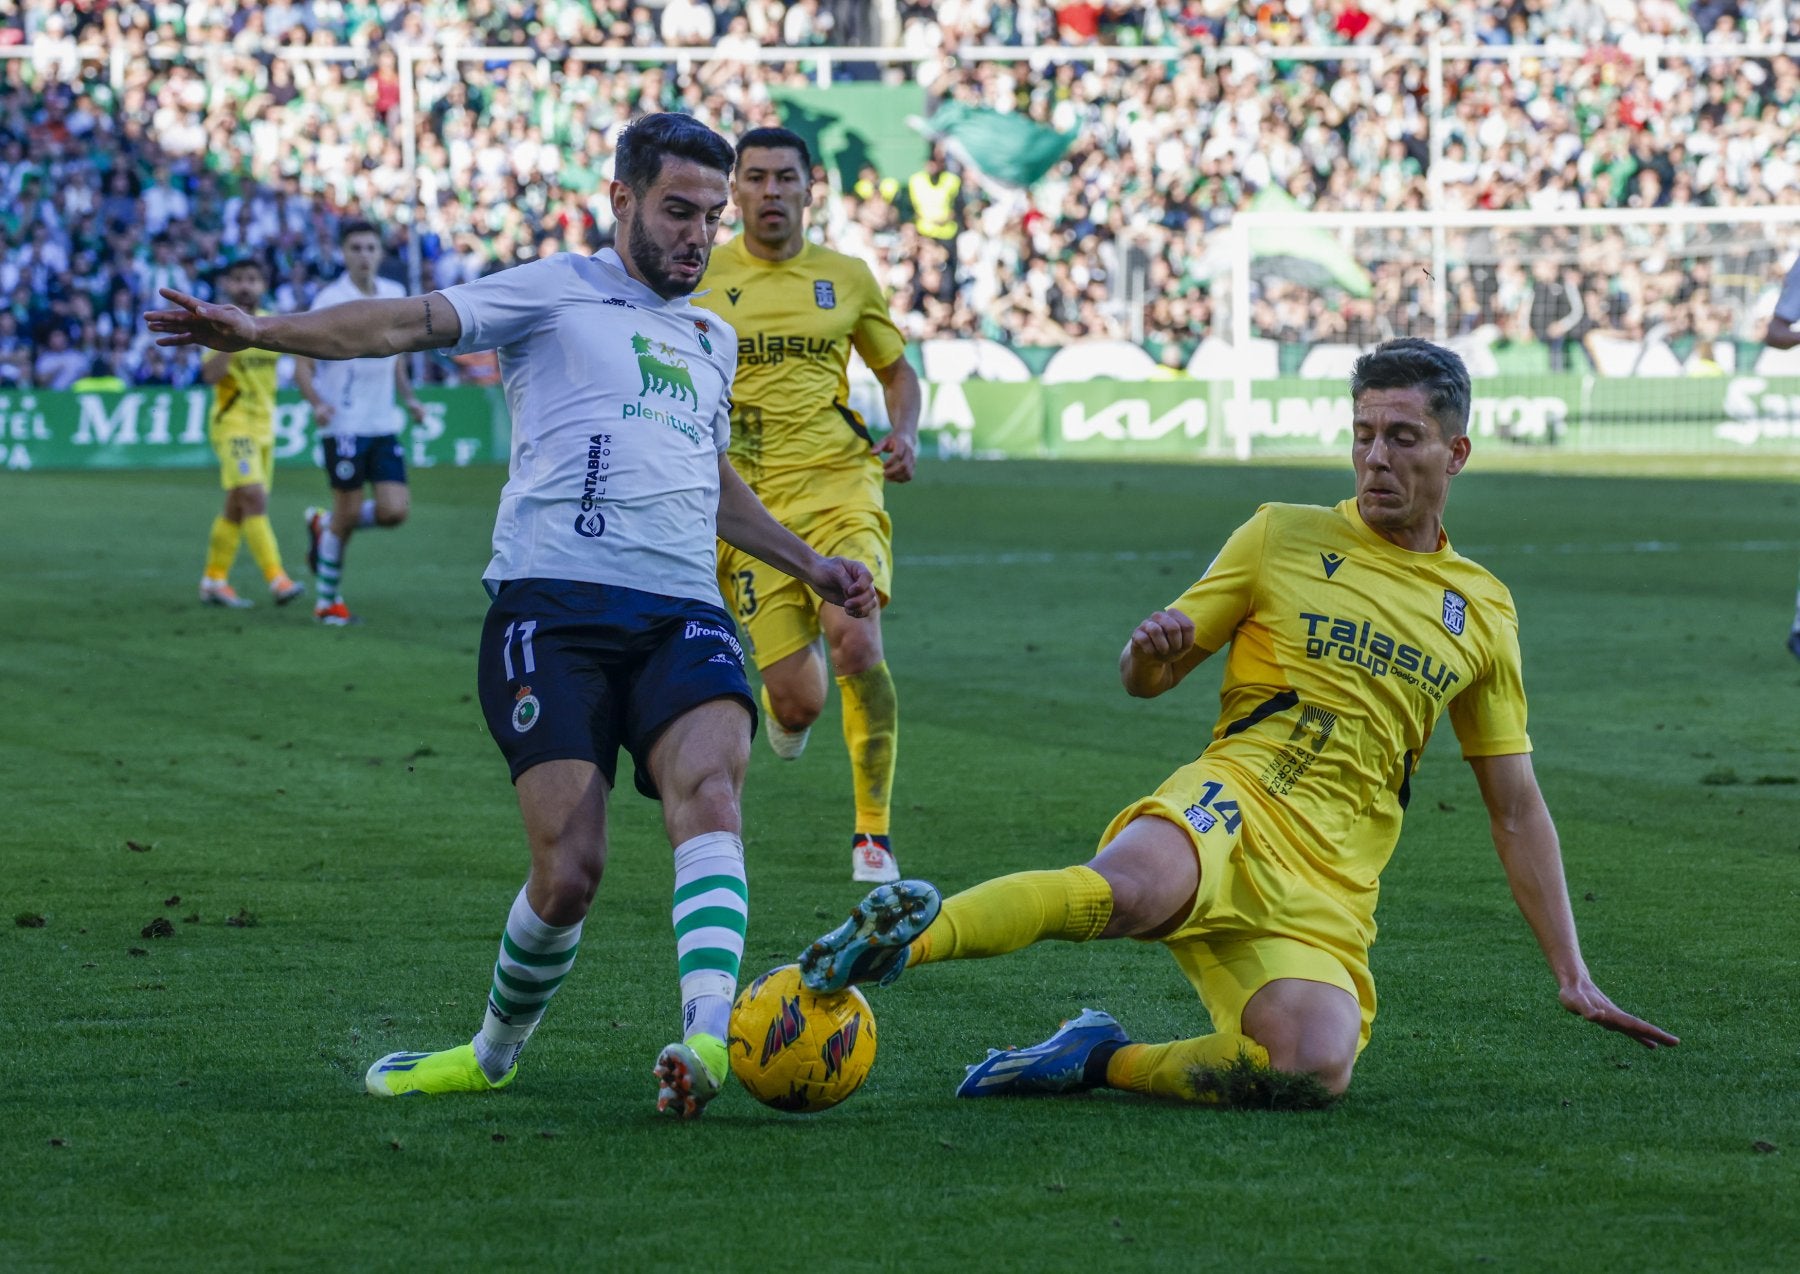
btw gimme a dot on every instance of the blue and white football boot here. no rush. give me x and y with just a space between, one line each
1058 1065
871 945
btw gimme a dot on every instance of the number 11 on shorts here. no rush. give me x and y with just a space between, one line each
525 630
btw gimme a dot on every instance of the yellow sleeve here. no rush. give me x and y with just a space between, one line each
875 336
1489 716
1222 598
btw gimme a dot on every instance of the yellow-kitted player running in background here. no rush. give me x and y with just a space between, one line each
799 309
242 431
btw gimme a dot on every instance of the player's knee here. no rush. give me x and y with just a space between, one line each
565 889
1326 1058
795 711
390 517
855 654
714 792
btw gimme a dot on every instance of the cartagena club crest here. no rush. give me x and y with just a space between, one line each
1456 612
824 295
526 710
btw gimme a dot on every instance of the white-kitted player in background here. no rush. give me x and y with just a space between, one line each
358 418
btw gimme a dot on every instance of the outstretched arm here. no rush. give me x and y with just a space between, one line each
1526 840
356 329
744 523
1781 334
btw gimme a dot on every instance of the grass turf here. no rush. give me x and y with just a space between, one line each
198 1096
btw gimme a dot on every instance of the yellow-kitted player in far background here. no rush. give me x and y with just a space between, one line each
799 309
242 431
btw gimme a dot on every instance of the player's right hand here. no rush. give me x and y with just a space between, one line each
846 582
1164 636
197 322
1584 999
323 414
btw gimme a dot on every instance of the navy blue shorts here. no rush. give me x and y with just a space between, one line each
352 462
574 671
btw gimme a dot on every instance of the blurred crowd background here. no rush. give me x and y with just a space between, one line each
127 164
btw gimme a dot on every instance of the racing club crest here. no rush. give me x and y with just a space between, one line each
824 295
525 711
1456 612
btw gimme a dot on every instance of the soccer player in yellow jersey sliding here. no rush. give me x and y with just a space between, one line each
242 430
799 309
1352 629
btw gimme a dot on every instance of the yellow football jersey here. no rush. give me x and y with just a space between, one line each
1345 649
794 437
244 398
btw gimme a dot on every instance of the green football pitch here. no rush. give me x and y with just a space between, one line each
326 831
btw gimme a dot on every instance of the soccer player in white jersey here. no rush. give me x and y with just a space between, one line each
607 627
358 426
1784 333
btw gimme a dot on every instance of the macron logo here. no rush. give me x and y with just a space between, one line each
1332 561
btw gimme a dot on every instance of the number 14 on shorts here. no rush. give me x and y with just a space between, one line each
1204 814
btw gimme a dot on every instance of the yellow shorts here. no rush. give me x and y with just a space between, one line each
245 460
1254 919
779 615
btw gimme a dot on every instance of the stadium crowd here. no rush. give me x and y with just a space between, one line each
126 164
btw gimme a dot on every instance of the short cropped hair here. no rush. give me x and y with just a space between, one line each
246 263
776 139
357 227
1407 362
645 142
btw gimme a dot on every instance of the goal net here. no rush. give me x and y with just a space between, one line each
1586 329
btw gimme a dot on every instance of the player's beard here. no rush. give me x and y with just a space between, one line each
652 263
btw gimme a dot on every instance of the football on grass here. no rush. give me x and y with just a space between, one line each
797 1050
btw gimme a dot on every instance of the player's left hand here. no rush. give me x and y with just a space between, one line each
899 452
1584 999
416 410
196 322
846 582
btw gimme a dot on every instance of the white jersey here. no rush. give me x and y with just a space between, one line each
360 390
621 413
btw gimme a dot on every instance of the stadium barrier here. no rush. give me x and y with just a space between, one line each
158 428
976 419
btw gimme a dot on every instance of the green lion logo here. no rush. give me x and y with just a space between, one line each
665 375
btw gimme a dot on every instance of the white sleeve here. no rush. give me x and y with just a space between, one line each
721 426
504 307
1787 307
721 423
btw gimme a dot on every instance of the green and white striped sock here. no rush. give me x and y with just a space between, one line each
331 568
712 904
534 959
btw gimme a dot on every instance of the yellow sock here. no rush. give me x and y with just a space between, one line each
872 730
1167 1070
261 538
222 548
1009 912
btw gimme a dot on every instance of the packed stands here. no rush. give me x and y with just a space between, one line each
143 144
